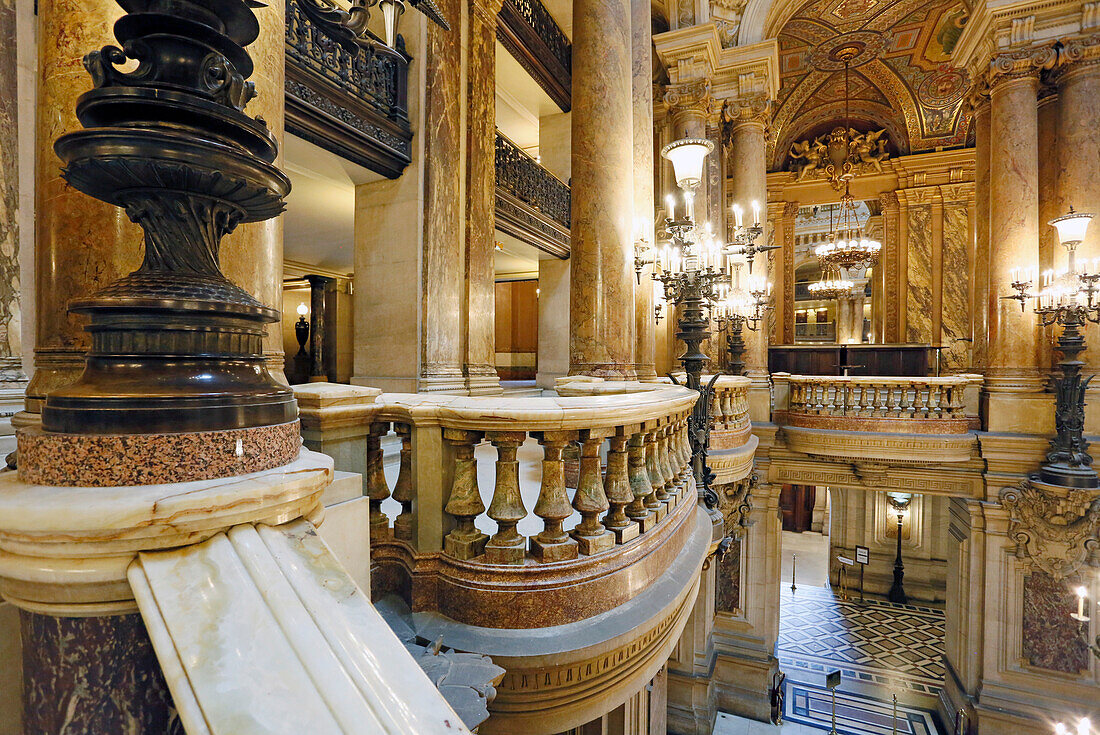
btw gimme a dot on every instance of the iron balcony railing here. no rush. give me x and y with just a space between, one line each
524 178
546 28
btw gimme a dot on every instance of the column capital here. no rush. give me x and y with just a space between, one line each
693 96
486 10
751 110
1021 64
1080 54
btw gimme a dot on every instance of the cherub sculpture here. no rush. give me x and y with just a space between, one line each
812 152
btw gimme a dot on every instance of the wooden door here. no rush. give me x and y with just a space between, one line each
796 503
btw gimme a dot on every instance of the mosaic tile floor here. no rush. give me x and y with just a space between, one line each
896 646
880 648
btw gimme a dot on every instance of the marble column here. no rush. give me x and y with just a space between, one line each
979 317
319 343
748 183
601 334
81 244
480 363
11 367
1012 373
252 256
1051 253
1076 179
441 277
92 675
642 55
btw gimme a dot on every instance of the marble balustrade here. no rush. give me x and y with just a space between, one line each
905 404
634 459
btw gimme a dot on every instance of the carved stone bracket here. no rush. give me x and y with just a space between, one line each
1055 528
735 504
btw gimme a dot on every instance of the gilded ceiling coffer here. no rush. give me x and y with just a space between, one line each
175 345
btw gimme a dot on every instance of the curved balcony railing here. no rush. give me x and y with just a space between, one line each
890 405
524 178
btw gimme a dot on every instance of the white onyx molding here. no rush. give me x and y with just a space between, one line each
261 630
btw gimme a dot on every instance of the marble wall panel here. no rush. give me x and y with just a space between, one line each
727 590
918 310
1051 638
955 321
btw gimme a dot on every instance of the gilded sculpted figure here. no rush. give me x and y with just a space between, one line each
813 152
866 151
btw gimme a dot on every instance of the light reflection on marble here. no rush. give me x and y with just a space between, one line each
263 631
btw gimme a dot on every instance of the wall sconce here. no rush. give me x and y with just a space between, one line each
657 315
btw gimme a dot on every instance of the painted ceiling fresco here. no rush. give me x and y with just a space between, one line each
901 77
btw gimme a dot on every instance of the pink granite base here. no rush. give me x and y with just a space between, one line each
114 460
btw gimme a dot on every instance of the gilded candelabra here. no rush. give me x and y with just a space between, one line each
694 269
1068 299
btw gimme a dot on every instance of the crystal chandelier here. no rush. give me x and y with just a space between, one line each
848 247
831 285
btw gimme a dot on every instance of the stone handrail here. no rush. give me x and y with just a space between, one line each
890 404
640 430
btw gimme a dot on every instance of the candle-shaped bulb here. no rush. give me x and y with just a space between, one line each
1060 728
670 201
1084 727
1081 593
737 215
755 212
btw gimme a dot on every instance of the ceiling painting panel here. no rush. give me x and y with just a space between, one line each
901 72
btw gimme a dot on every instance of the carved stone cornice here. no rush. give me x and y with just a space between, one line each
1055 528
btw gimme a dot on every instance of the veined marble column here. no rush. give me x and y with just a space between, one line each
1051 253
480 363
81 244
252 256
109 244
1076 181
1014 232
11 348
442 348
749 183
642 54
601 304
980 315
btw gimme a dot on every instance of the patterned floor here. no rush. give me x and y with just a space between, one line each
894 646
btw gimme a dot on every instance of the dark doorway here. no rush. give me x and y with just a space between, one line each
796 502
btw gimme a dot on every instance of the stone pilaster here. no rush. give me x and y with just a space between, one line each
602 261
480 297
980 312
642 75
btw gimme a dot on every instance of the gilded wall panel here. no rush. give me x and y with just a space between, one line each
955 323
919 293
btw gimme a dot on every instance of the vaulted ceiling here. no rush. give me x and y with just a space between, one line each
901 77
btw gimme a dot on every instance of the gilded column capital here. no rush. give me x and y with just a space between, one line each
889 201
691 96
1077 54
486 10
1021 64
751 110
790 210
